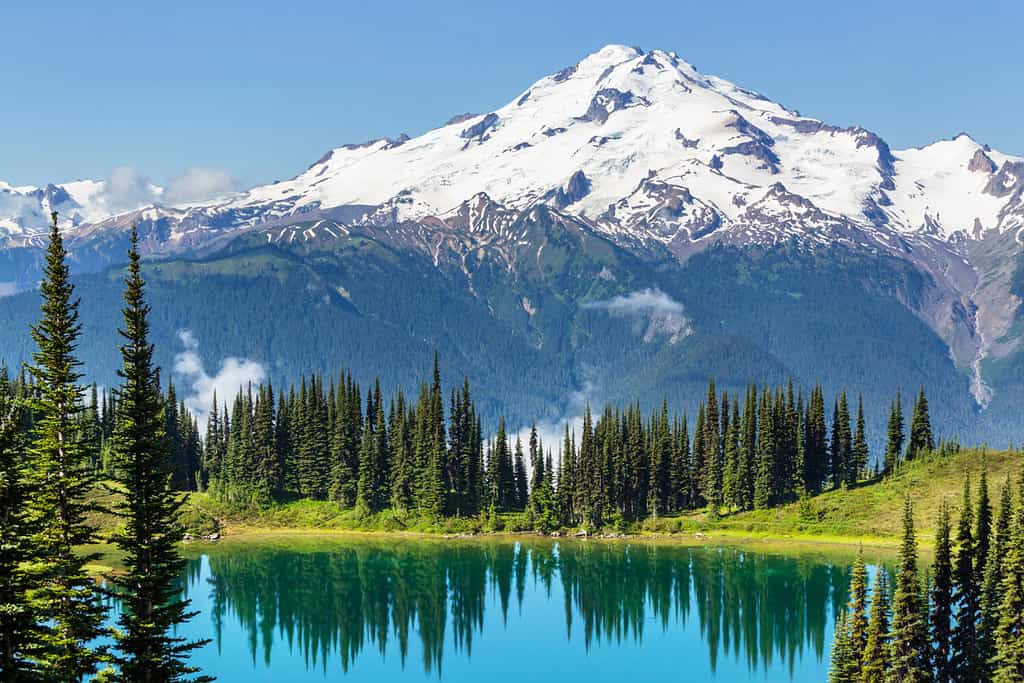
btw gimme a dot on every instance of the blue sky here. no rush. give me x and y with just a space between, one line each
262 89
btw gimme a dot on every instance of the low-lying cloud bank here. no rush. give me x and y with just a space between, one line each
653 312
233 374
129 188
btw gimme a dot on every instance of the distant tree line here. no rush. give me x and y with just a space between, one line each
326 440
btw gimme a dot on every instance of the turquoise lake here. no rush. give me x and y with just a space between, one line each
466 610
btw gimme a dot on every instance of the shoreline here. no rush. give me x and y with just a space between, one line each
308 538
236 534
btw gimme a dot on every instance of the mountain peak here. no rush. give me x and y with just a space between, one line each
638 144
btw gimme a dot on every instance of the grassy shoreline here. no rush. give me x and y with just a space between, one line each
841 521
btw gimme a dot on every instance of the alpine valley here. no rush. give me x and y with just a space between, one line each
622 229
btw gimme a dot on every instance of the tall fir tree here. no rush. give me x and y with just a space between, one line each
942 600
860 454
909 645
842 663
920 438
68 598
19 628
966 665
765 453
519 476
876 659
983 527
858 613
816 448
991 592
149 651
895 436
1008 662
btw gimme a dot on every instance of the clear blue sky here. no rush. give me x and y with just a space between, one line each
262 89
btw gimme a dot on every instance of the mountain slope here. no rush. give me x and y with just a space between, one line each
620 224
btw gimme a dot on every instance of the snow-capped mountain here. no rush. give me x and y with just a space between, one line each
638 147
636 143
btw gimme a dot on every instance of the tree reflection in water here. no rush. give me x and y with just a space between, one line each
336 598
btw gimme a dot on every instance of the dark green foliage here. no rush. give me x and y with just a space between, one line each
626 467
19 633
921 438
894 444
966 665
147 648
942 600
66 597
876 659
909 633
519 476
991 592
1008 662
842 663
860 454
858 613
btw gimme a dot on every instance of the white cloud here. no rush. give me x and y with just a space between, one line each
642 301
128 188
233 374
654 314
199 184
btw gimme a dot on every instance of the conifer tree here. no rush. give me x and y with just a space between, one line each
966 666
894 445
214 450
839 670
860 454
148 649
942 600
991 593
564 493
765 454
1008 662
67 599
921 438
858 613
19 630
749 452
698 462
983 528
841 445
713 453
800 486
815 448
519 475
681 472
344 448
875 662
909 634
266 467
731 486
502 474
536 459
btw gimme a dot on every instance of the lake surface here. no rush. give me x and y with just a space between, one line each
428 610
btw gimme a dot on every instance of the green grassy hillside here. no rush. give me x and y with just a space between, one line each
873 511
869 513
